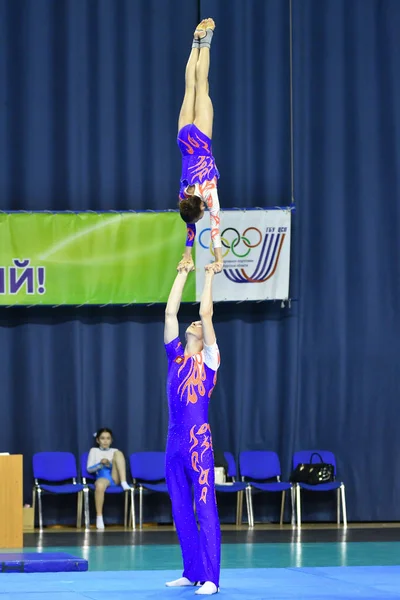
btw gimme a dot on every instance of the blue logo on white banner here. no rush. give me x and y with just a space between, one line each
256 251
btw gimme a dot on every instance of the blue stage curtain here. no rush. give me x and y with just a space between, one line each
90 95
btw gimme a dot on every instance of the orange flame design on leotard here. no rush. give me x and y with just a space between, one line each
202 168
203 497
206 445
193 142
214 381
188 146
203 430
203 479
215 221
207 186
193 439
193 382
206 189
195 461
203 143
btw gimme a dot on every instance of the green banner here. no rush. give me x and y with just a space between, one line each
90 258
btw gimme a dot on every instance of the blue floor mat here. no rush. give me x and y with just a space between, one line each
40 562
341 583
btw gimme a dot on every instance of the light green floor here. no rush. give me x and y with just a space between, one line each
240 556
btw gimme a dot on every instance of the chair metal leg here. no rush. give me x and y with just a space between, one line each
86 508
247 507
140 507
282 507
338 506
39 495
133 516
298 506
239 508
249 502
344 509
293 502
126 508
251 506
79 510
34 504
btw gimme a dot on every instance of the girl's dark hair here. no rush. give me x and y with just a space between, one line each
190 208
102 430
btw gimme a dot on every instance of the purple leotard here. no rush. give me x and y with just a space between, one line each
198 163
190 460
198 166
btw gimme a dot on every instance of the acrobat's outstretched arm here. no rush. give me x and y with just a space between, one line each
210 194
171 326
190 237
206 307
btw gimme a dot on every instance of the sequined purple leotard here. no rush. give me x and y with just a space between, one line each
190 460
199 169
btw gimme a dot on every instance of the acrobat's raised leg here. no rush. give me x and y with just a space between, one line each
186 115
203 110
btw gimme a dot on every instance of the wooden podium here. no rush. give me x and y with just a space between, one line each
11 501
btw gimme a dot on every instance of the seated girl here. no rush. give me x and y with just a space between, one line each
108 464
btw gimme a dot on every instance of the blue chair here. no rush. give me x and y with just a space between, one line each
256 467
233 487
114 489
304 456
148 473
56 473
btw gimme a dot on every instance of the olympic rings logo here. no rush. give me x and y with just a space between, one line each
232 244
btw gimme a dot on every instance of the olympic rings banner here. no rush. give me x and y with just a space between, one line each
256 251
127 258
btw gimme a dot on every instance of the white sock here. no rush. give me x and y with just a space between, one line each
99 523
125 485
181 582
206 40
207 589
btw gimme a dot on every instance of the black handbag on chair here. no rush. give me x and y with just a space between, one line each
313 473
